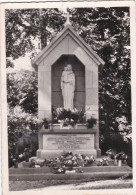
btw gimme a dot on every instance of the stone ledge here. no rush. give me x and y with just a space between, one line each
69 176
85 169
68 131
43 153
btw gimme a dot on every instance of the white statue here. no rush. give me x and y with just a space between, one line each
68 87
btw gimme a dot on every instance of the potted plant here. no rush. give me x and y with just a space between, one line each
15 162
121 157
45 123
91 122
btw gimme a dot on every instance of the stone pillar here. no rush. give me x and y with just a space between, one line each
44 92
91 107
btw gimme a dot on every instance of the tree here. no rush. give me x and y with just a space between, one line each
107 31
22 91
23 26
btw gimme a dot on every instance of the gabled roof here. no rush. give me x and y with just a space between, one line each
67 31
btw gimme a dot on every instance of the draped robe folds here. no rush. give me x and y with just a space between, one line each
68 88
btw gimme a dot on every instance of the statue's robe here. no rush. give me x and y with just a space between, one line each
68 88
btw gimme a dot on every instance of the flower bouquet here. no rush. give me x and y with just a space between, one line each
121 157
68 118
69 162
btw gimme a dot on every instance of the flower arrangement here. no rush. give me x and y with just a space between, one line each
118 157
44 123
121 156
103 162
68 117
66 162
111 153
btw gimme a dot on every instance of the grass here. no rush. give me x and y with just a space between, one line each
80 185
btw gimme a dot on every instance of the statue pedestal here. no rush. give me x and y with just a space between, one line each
53 143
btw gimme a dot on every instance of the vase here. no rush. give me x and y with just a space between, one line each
16 165
119 163
43 128
115 161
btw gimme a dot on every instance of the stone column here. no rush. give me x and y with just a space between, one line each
91 75
44 92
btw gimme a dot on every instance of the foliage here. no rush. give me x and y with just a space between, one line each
68 161
107 31
117 143
114 141
69 116
22 133
121 156
91 122
125 129
46 122
22 90
23 26
9 63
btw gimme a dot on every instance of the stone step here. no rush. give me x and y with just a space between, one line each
85 169
69 176
95 172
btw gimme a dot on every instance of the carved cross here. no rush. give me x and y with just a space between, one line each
67 16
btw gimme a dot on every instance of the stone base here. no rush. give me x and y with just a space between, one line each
53 143
44 154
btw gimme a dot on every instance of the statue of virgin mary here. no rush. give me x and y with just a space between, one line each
68 87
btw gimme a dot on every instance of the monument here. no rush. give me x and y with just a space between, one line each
68 78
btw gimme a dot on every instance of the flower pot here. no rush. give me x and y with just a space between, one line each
16 165
115 161
43 128
46 126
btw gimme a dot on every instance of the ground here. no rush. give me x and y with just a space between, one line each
69 185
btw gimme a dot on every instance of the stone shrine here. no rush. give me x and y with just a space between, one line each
68 48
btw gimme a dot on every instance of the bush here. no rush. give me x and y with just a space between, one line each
22 133
117 143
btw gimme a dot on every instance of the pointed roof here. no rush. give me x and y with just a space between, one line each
67 31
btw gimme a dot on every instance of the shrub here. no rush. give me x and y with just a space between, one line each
22 133
117 143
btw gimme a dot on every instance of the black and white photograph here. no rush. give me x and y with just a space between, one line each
67 97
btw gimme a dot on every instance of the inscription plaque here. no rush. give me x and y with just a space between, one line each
67 142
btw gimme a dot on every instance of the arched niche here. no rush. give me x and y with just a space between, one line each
79 71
